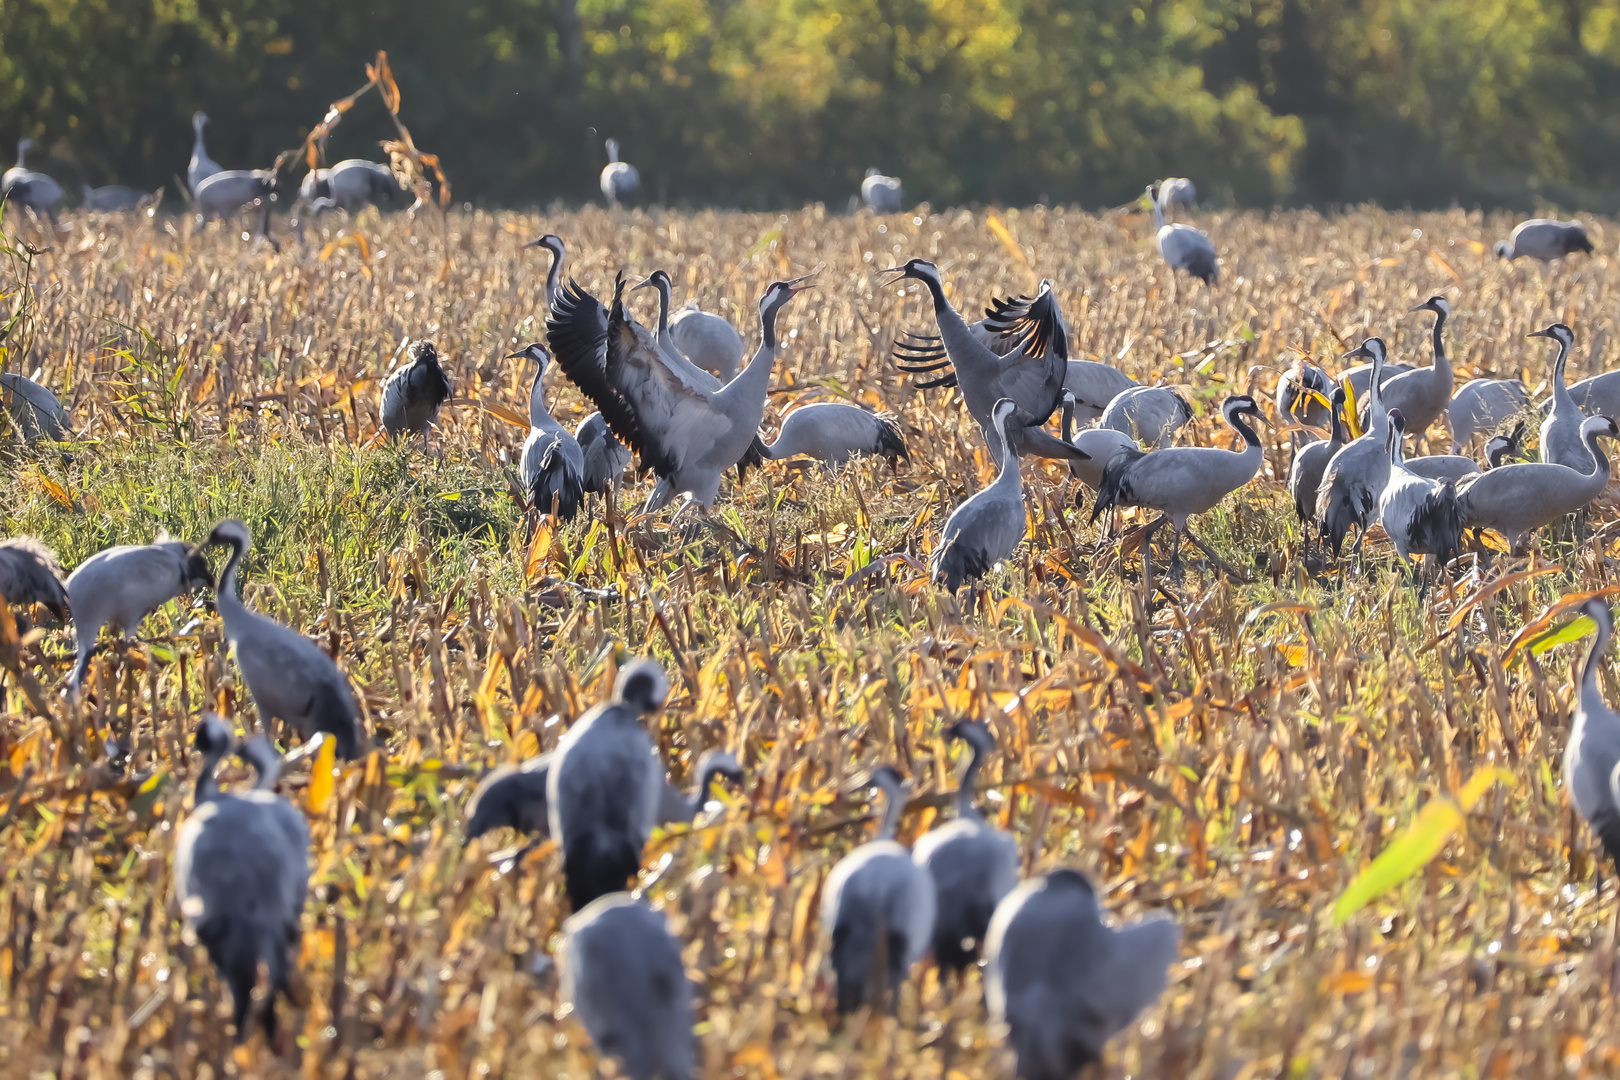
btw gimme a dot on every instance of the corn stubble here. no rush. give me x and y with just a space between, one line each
1234 753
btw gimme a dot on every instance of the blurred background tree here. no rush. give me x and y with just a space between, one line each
764 103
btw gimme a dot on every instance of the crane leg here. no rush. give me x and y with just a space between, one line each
1216 559
1147 552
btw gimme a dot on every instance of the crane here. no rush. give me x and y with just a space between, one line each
415 392
1516 499
201 166
1561 430
22 186
30 574
882 193
553 465
1592 752
120 586
1355 476
987 528
1183 247
832 432
1544 240
621 182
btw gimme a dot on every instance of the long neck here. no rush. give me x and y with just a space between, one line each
207 784
197 147
1394 446
552 277
1600 474
1158 214
662 285
22 152
1560 389
1591 696
1442 362
894 804
964 791
539 415
1377 419
225 596
1339 435
786 445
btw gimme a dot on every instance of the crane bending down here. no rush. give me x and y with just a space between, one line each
988 527
687 433
120 586
832 432
1182 246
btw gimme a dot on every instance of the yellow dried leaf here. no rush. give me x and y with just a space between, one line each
322 777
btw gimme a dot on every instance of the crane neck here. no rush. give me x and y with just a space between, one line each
965 808
893 806
1392 446
539 415
708 769
1560 388
226 596
1377 418
1600 471
1442 362
1251 441
1158 215
207 783
553 286
662 285
1008 476
1591 697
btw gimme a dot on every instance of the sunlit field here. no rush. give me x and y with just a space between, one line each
1232 752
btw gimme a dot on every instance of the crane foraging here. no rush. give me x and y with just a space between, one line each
1182 481
35 413
352 184
1592 753
1182 246
709 341
972 863
111 199
1482 405
987 528
201 166
621 183
241 874
877 902
1301 389
1151 414
1062 981
1544 240
290 676
119 586
1099 444
623 975
832 432
30 574
688 433
553 465
229 190
415 392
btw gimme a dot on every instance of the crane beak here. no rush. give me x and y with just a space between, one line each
797 285
1359 350
649 283
899 272
1538 333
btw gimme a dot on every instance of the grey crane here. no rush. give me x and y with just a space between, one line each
605 785
30 574
1031 374
241 875
112 198
832 432
1094 384
882 193
355 183
1561 431
709 341
1298 390
1544 240
554 244
553 465
1499 448
1176 193
677 360
622 973
621 183
1422 394
1592 754
201 166
35 411
1182 481
1062 981
987 528
605 456
1151 414
1453 467
686 432
1355 476
1482 405
1421 516
1311 461
877 902
972 863
315 186
291 677
119 586
1099 444
1184 247
230 190
1516 499
22 186
415 392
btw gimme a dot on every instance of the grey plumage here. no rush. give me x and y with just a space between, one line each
988 527
1176 193
1181 481
229 190
1516 499
30 574
605 785
1150 414
1544 240
1355 476
1099 444
1561 431
552 243
1063 982
605 456
1598 395
354 183
1093 385
1592 754
686 428
709 341
241 874
1295 388
112 198
119 586
1311 460
552 465
877 902
621 183
1182 246
972 864
35 411
1421 394
22 186
1421 516
291 677
415 392
833 432
623 975
1453 467
1030 373
882 193
201 166
1482 405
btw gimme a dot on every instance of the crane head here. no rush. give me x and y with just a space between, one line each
213 736
1557 332
551 242
1437 304
1600 425
778 293
233 533
425 352
921 269
1241 405
658 279
1397 422
643 686
1372 349
976 733
532 351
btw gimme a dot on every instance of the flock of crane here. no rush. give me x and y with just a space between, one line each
677 396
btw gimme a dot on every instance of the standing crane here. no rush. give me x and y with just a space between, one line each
876 903
882 193
1182 246
553 244
1421 516
972 863
415 392
1592 753
1544 240
1311 461
22 186
1355 476
986 529
1561 430
1182 481
1176 193
120 586
553 465
111 199
1422 394
201 166
1517 499
291 677
1062 981
241 875
621 183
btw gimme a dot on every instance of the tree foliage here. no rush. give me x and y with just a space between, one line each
771 102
